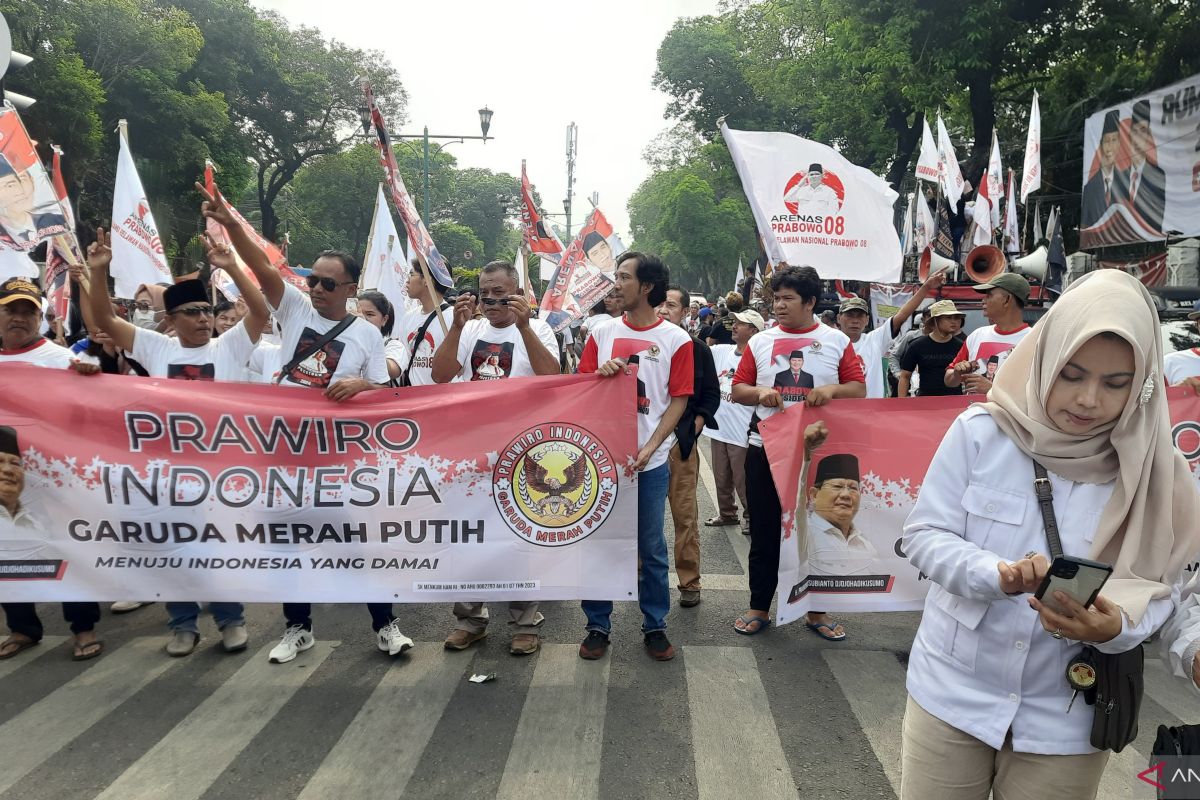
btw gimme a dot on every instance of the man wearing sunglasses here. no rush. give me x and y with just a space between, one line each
506 343
343 366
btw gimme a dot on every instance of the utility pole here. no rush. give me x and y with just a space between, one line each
572 147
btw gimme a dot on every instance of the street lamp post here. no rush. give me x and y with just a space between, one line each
485 124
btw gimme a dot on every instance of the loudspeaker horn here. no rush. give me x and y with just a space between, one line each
984 263
931 261
1033 265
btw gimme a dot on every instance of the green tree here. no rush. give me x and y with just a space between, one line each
455 241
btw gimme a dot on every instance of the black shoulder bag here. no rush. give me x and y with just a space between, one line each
323 340
1116 694
403 380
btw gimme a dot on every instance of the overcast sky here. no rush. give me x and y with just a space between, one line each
538 66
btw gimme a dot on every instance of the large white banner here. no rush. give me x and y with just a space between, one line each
137 487
1141 168
814 207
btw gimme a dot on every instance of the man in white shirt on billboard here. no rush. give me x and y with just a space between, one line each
814 198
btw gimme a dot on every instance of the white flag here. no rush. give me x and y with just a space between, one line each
1012 228
385 269
906 231
995 180
982 216
924 228
16 264
927 164
138 255
1037 224
1031 178
741 277
948 171
815 207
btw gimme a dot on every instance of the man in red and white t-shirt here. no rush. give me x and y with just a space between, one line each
1004 299
1183 368
21 340
663 354
830 369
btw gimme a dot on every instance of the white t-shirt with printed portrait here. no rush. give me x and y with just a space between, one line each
224 358
357 352
488 353
733 419
405 333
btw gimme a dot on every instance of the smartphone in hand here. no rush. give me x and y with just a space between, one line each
1079 578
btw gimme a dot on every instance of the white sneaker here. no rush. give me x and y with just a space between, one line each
392 641
295 640
125 606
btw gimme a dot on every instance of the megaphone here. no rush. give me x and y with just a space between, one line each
984 263
1033 265
932 262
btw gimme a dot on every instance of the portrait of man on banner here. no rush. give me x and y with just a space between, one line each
835 545
29 208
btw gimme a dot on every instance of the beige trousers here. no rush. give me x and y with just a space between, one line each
681 494
940 762
522 615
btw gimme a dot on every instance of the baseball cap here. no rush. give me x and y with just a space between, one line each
15 289
854 304
1195 311
1010 282
944 308
751 317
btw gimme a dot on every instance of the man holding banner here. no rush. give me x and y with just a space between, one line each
663 354
329 349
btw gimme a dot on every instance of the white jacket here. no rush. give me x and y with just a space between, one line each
981 660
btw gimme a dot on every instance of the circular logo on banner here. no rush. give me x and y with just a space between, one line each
814 193
553 484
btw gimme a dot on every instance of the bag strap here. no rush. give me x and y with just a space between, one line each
325 339
420 337
1045 496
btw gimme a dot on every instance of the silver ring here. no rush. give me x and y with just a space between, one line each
1031 554
1057 634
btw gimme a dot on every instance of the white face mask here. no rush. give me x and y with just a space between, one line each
143 319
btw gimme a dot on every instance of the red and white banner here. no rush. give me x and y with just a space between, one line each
538 236
951 177
894 444
243 492
413 224
29 208
818 207
64 249
218 235
1141 169
583 275
138 255
1151 271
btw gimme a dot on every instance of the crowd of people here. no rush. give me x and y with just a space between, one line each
1080 393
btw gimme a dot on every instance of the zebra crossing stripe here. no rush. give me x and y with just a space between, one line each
734 739
873 683
48 725
179 767
11 665
557 746
382 745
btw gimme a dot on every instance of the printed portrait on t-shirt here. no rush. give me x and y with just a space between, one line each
192 372
991 357
725 380
423 354
491 361
317 370
791 380
632 351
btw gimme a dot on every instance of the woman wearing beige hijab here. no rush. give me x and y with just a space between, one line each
989 708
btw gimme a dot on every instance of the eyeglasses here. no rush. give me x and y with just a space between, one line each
141 305
837 487
328 284
195 311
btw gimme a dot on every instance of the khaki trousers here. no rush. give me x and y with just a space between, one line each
729 474
522 615
940 762
681 493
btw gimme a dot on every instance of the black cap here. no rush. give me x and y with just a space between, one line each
816 168
1112 122
8 441
189 291
796 354
839 465
1141 112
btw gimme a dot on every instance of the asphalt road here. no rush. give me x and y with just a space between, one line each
779 715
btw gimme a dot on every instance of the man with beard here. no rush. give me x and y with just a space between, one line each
25 629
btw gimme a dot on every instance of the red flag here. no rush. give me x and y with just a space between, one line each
64 249
538 237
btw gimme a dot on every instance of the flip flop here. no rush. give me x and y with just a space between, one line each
830 637
88 651
747 620
16 645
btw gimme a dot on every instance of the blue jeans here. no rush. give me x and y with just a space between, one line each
654 591
183 616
